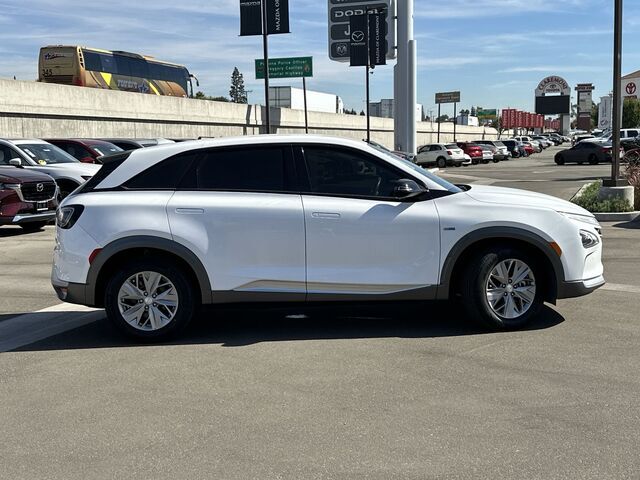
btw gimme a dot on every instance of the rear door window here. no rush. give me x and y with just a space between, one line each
246 169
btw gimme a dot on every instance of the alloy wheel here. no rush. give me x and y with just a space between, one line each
148 301
511 289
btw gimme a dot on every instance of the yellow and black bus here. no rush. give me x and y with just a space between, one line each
114 70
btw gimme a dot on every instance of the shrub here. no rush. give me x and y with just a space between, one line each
589 200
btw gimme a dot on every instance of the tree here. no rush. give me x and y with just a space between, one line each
631 113
442 118
473 111
362 114
202 96
237 93
350 111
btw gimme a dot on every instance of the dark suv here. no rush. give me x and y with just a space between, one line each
27 198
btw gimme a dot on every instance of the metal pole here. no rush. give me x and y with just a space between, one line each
617 100
439 120
412 93
455 120
368 86
306 116
265 46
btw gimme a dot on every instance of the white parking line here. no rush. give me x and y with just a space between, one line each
618 287
33 327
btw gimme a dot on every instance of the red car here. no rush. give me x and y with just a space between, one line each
85 150
529 149
473 150
27 198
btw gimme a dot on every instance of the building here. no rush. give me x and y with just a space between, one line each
385 109
468 120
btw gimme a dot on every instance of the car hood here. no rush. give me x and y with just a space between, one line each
21 175
524 198
79 169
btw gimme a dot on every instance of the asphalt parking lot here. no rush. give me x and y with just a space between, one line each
393 391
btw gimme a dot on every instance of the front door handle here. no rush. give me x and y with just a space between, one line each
190 211
325 215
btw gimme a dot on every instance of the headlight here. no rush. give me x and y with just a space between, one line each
589 239
66 217
9 186
590 219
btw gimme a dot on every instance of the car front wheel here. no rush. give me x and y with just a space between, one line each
150 300
500 288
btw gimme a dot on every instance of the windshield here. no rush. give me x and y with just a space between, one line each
106 149
46 154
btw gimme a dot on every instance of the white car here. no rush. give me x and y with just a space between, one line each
159 232
68 172
440 155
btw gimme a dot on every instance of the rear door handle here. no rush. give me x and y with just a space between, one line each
190 211
325 215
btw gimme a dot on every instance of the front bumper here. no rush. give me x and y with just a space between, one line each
35 217
579 288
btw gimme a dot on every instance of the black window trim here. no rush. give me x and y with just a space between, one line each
305 182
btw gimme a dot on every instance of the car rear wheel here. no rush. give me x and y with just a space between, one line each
150 300
441 162
500 290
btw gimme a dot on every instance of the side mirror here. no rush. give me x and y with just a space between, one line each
407 188
87 160
16 162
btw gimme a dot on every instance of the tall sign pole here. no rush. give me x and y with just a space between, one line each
264 17
265 49
615 179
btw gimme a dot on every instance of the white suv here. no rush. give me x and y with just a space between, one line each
159 232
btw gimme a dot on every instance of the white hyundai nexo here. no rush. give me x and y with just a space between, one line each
156 233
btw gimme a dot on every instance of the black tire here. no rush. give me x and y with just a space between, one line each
593 160
495 160
559 160
441 162
187 302
33 226
474 282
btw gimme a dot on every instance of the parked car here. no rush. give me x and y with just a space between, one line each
488 154
41 156
221 221
502 152
440 155
579 138
27 198
85 150
529 148
516 149
585 152
544 141
473 150
630 143
131 144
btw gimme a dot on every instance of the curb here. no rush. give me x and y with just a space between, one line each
618 217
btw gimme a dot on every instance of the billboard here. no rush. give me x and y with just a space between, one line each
560 104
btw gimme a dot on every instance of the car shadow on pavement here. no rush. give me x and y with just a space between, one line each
238 327
628 225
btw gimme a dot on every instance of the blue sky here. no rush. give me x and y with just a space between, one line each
494 51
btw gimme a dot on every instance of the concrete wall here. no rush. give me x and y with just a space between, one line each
30 109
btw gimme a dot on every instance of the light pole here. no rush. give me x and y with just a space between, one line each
615 180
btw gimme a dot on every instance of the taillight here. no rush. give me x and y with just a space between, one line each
67 216
449 152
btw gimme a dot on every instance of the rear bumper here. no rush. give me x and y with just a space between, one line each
580 288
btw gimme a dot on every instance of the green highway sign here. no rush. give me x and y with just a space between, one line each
286 67
491 114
